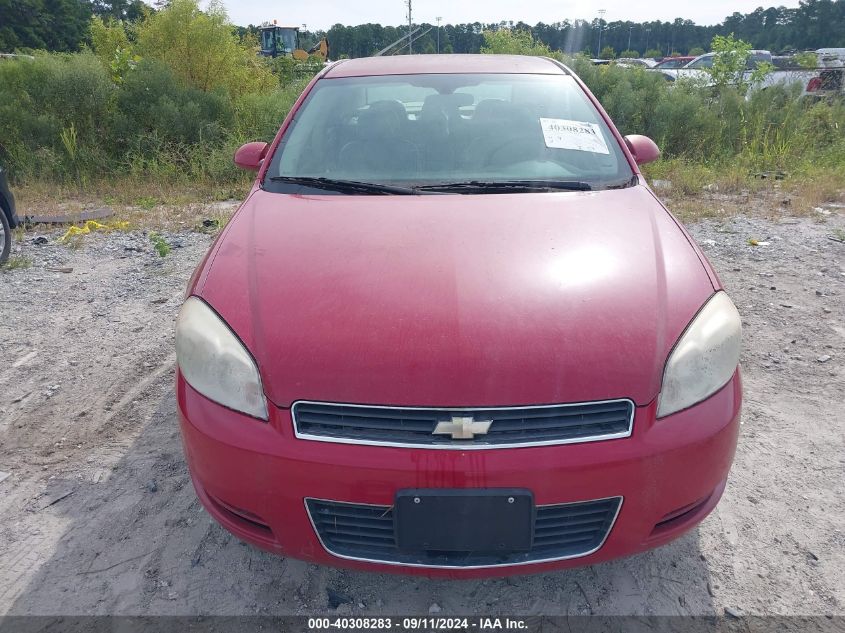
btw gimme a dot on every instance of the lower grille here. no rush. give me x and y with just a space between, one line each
366 532
431 427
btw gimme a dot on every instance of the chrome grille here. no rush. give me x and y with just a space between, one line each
366 532
510 426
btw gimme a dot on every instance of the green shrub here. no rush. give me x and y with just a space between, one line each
258 116
513 42
729 64
110 43
607 53
202 48
41 98
153 107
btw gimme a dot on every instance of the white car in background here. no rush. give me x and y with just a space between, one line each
632 62
697 68
696 71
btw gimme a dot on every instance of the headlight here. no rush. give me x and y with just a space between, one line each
705 357
215 362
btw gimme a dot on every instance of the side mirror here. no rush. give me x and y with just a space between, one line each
643 148
251 155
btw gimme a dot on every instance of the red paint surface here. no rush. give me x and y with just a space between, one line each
261 468
457 300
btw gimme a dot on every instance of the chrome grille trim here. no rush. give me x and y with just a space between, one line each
473 444
620 499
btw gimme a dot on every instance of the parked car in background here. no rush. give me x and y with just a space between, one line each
698 66
635 62
668 63
829 80
451 331
697 70
8 216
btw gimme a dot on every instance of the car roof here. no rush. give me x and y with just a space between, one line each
455 64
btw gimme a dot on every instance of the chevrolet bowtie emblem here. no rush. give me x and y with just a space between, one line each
462 427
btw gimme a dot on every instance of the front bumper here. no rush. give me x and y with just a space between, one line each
253 477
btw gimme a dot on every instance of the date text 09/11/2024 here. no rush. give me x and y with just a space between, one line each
418 624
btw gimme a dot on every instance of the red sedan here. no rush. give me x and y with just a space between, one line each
451 331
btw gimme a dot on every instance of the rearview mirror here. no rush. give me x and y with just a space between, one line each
251 155
643 148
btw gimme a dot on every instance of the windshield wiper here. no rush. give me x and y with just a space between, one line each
504 186
345 186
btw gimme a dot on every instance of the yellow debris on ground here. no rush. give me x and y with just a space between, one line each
93 225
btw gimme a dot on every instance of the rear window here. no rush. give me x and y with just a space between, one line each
426 129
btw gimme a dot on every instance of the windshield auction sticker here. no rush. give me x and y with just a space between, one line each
577 135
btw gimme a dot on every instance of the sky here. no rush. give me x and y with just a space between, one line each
322 14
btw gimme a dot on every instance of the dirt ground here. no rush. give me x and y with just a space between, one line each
98 515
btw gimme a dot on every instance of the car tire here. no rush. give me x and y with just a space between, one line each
5 237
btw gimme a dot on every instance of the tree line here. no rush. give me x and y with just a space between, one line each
58 25
64 25
814 24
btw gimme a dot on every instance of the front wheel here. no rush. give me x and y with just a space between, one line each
5 237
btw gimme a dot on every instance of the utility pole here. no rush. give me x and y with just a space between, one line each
630 30
410 28
438 18
601 27
647 31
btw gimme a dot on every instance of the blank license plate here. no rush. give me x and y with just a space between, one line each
464 520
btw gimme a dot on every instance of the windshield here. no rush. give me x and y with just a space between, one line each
286 40
280 40
701 62
418 130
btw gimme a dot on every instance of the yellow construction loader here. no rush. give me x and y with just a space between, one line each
283 41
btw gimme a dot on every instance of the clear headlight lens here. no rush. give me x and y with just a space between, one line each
705 357
215 362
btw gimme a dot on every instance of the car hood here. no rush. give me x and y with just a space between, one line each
477 300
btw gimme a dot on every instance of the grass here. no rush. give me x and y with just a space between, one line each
18 233
705 191
145 204
143 192
16 262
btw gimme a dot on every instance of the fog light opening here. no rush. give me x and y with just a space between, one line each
679 515
246 519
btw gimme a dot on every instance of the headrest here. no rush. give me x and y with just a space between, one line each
383 119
